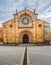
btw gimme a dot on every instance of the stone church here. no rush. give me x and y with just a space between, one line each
25 27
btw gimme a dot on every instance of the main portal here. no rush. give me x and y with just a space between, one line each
25 38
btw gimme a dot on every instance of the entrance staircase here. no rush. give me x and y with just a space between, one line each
26 44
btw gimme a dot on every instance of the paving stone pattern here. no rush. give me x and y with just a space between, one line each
10 55
40 55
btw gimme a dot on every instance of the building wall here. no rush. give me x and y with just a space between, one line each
39 27
1 35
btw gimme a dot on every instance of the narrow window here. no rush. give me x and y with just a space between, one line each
11 26
40 25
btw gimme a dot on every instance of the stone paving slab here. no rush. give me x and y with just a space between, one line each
11 55
40 55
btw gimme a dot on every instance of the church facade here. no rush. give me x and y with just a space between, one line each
23 28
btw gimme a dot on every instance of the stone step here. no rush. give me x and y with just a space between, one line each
26 44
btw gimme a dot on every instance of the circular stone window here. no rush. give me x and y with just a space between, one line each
40 25
25 20
11 26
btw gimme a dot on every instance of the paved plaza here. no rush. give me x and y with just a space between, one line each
38 55
11 55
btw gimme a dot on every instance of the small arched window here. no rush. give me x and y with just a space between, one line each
40 25
11 26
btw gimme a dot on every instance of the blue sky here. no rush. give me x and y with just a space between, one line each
8 8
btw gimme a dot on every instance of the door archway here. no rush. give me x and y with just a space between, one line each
29 36
25 38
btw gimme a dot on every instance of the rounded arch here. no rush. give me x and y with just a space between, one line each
28 33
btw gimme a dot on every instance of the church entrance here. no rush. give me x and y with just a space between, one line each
25 38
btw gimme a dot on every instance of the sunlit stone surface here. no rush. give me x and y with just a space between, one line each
10 55
40 55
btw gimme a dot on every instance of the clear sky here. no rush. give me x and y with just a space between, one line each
8 8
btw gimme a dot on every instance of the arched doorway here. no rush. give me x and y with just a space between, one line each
25 34
25 38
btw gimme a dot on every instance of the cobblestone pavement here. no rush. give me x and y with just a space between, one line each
40 55
10 55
